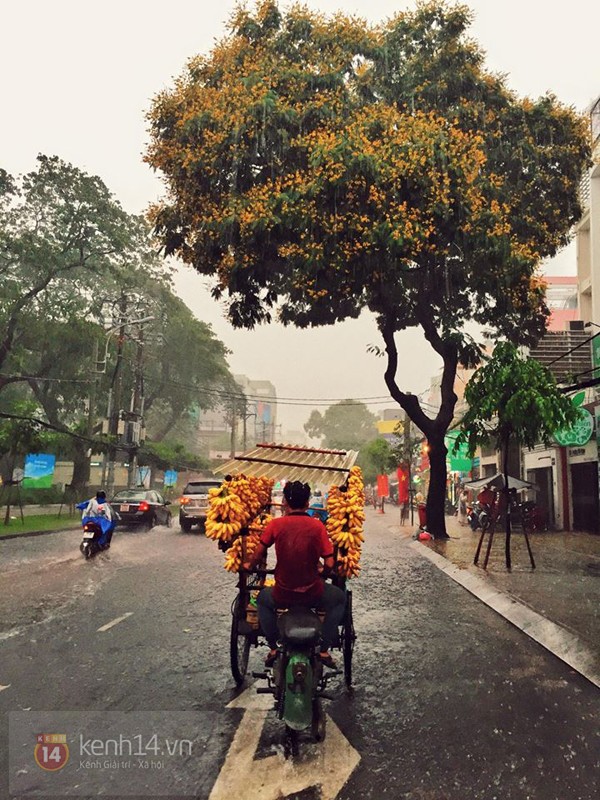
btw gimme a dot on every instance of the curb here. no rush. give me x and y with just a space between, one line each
561 642
27 534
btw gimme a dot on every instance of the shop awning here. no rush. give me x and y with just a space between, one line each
291 463
497 482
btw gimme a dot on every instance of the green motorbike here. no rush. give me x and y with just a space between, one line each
297 679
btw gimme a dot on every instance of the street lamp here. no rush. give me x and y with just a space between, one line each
110 332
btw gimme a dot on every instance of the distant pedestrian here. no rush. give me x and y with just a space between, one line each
462 506
404 513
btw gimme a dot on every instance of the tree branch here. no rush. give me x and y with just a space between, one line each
409 402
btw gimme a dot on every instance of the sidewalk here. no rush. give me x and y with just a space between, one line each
557 604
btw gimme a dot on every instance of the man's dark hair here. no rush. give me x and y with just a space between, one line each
101 495
296 494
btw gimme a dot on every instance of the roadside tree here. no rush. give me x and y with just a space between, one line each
376 457
19 435
318 167
512 397
70 259
347 425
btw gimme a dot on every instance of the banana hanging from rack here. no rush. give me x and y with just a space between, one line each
345 506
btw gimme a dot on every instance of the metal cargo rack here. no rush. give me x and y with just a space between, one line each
291 463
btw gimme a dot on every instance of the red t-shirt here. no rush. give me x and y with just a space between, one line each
300 541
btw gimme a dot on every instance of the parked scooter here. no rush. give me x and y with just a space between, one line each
478 516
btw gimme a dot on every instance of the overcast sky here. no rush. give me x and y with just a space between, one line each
79 76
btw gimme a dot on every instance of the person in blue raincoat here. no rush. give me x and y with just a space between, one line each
99 511
317 507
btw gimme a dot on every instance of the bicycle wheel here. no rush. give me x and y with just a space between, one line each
239 649
348 639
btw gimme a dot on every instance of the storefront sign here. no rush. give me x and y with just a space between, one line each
458 455
597 416
584 454
596 351
581 431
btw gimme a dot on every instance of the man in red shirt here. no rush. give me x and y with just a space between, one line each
300 543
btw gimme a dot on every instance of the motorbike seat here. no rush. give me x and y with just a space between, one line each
300 627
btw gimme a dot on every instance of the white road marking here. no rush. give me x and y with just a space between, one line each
558 640
2 688
274 777
114 622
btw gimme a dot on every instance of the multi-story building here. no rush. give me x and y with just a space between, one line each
241 420
588 230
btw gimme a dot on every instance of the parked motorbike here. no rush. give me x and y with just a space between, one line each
297 679
533 517
478 516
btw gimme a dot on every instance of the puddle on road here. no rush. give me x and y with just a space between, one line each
44 576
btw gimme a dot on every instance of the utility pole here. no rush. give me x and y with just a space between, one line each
233 426
91 415
115 420
136 413
114 415
245 430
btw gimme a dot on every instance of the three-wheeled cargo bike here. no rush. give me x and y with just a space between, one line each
297 679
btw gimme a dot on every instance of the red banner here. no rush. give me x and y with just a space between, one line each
403 484
383 487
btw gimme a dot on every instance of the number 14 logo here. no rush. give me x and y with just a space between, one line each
51 751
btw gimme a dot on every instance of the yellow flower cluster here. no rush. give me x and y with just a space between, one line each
345 523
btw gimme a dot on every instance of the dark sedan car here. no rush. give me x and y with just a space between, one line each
142 507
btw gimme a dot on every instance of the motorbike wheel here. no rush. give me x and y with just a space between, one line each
349 637
87 551
239 646
318 725
290 743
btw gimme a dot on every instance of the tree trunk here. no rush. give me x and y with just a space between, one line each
506 493
434 429
436 496
81 468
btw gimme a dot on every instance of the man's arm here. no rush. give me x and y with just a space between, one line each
256 557
326 552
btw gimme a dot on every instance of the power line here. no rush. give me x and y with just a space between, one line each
568 352
46 380
299 401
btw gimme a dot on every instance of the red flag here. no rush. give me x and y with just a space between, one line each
403 484
383 488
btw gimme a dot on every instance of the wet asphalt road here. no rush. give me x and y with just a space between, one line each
450 701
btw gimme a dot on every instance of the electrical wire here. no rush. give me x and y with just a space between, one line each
572 350
46 380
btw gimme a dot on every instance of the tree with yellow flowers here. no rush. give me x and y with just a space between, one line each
318 166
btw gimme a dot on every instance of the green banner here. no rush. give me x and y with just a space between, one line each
581 432
596 352
458 456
